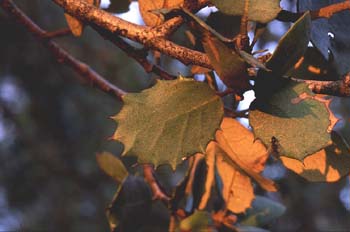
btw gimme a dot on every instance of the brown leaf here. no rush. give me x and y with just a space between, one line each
152 19
243 151
210 161
75 25
229 66
237 191
239 157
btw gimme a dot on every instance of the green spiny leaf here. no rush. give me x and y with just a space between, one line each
261 11
171 120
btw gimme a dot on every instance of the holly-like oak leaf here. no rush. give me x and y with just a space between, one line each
296 118
169 121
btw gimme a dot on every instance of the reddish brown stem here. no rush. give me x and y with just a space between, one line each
58 33
339 88
328 11
158 193
60 54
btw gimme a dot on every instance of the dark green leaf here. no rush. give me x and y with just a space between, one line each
295 117
291 47
169 121
339 26
226 25
313 66
206 26
112 166
263 212
131 205
261 11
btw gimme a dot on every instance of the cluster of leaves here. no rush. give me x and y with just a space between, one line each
173 120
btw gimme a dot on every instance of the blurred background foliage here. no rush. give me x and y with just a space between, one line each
51 127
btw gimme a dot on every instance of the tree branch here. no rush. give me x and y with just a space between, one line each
139 55
339 88
60 54
152 38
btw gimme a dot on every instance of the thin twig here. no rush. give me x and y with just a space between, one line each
324 12
158 193
328 11
58 33
61 55
139 55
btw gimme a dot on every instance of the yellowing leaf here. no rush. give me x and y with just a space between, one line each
243 152
76 25
239 157
147 6
112 166
242 142
210 161
329 164
169 121
237 189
